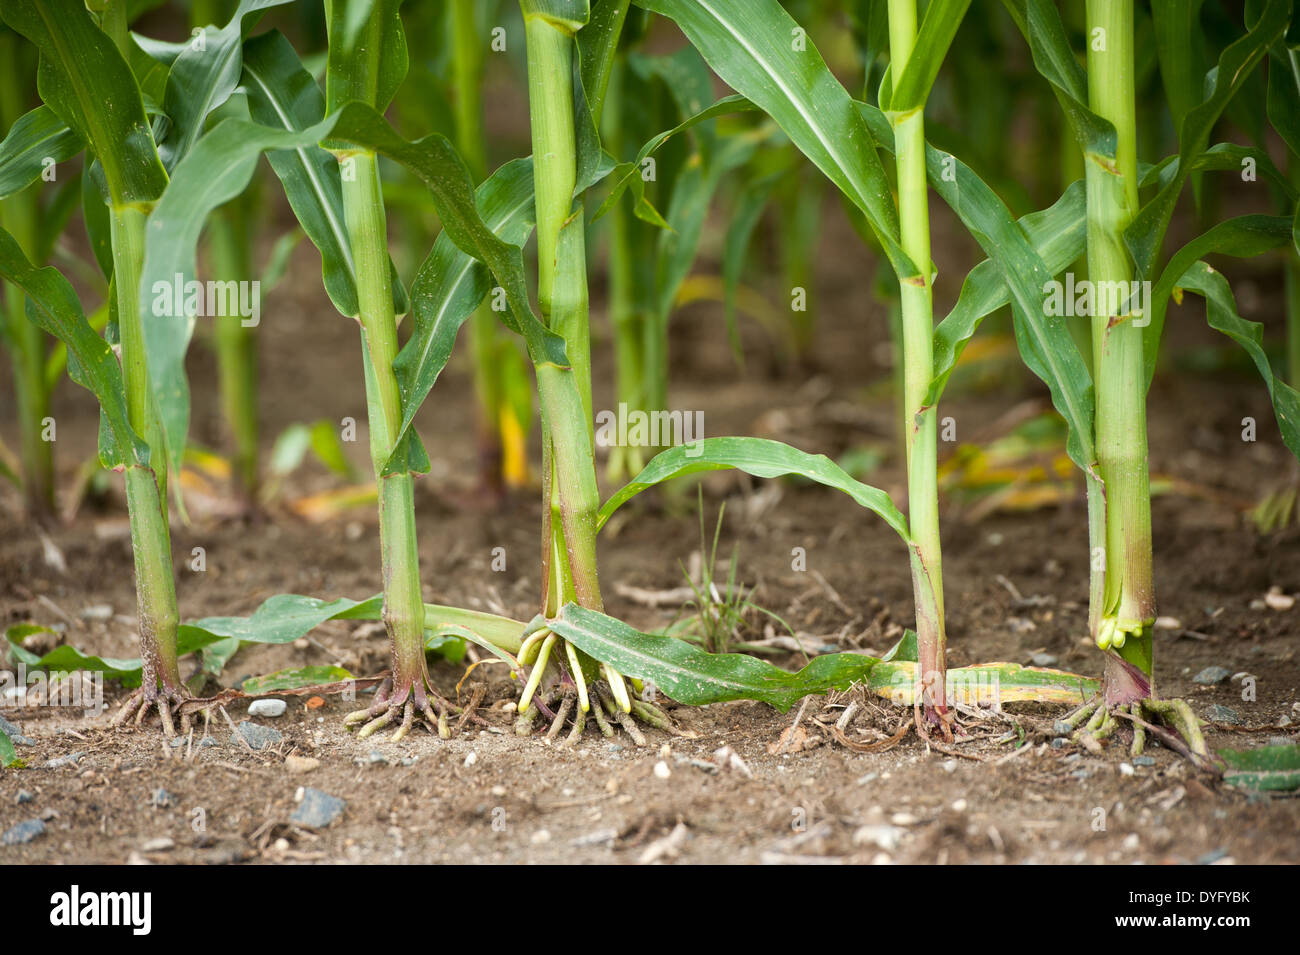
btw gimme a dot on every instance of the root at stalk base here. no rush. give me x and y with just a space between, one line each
561 703
166 698
1093 723
415 698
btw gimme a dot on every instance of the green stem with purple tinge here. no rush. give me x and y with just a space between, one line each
1124 621
920 420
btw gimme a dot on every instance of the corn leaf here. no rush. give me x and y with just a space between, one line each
1145 235
1057 235
293 679
450 285
689 675
86 82
52 304
569 15
762 458
749 46
938 28
1242 237
34 138
1221 314
1264 769
202 77
367 52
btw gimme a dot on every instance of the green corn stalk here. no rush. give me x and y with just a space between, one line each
1128 608
367 63
26 342
80 58
920 421
236 347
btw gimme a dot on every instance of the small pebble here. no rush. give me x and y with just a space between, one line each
256 735
879 835
317 809
1044 660
498 790
1131 842
959 805
12 731
60 761
1223 714
161 798
1126 769
23 832
1060 742
471 758
1276 600
949 765
1168 623
904 819
97 612
540 837
25 796
661 770
271 708
1144 760
161 844
1211 676
301 764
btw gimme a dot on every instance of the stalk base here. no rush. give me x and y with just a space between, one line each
407 699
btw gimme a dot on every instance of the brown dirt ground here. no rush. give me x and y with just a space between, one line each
602 801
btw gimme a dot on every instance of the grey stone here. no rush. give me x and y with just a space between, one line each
1211 676
23 832
317 809
24 796
60 761
256 735
1144 761
1223 714
14 733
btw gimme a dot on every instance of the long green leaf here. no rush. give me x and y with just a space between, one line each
1145 235
689 675
84 79
367 52
34 139
938 29
52 304
1221 314
202 77
1264 769
749 45
760 457
1242 237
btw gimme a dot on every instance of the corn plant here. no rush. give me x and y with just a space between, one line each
1124 242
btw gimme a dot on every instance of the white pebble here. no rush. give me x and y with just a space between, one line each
472 758
959 805
1126 769
267 708
662 770
540 837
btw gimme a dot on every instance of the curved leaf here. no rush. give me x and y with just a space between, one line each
37 137
83 78
762 458
749 46
1221 313
53 305
1242 237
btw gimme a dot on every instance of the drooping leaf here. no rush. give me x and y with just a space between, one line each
1242 237
1221 314
367 53
760 457
52 304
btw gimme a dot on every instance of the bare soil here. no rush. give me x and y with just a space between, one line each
489 796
